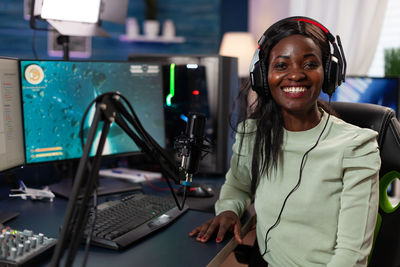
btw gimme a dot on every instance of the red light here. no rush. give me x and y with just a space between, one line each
195 92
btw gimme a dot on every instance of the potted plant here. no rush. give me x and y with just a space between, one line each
392 62
151 26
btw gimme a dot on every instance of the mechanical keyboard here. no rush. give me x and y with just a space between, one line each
119 223
23 248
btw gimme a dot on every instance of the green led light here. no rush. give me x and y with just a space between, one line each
171 84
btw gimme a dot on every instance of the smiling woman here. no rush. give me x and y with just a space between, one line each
312 177
295 79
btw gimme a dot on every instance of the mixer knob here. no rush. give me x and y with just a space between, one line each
27 245
33 242
3 253
40 238
7 235
18 237
28 233
13 253
20 249
4 250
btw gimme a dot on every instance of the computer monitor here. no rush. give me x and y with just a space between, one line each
11 136
55 95
383 91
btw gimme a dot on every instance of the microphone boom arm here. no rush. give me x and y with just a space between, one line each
108 109
148 144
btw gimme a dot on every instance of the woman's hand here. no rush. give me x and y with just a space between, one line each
227 220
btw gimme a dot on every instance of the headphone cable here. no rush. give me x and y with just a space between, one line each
302 164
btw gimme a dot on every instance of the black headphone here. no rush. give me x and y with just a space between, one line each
334 71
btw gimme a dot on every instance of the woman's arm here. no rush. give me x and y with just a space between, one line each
359 204
234 198
236 192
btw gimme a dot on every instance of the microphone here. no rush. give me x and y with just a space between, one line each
190 145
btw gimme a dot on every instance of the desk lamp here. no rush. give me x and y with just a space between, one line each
241 45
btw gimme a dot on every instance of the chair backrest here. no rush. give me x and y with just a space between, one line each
386 250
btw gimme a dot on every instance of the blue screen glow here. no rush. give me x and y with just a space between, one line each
381 91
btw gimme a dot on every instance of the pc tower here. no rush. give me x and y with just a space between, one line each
199 83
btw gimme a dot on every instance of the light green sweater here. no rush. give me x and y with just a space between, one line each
330 219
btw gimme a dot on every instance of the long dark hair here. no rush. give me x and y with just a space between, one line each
263 108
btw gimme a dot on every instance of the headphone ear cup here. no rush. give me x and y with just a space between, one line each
257 78
331 76
264 75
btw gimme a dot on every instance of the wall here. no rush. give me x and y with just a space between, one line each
234 15
199 21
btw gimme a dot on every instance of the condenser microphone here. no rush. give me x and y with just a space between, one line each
191 144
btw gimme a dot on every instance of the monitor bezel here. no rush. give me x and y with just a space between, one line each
63 161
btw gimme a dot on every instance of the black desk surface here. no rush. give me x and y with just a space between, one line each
170 246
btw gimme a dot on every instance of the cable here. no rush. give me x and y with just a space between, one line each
156 188
33 45
302 164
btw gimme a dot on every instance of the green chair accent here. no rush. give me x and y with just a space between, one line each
384 203
384 182
386 247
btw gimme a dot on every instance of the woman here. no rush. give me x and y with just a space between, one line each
313 177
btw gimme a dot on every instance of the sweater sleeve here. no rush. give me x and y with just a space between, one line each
236 193
359 202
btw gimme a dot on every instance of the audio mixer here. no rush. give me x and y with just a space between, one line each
19 248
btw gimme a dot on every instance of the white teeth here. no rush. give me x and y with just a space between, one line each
294 89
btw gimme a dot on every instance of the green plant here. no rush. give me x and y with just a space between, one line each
392 61
151 9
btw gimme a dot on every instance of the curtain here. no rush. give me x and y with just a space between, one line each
263 13
357 22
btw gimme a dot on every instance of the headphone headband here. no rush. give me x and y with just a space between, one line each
319 25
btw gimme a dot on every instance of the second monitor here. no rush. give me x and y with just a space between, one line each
382 91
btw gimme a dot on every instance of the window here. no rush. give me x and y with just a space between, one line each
390 38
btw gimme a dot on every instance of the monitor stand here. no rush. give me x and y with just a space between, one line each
107 186
6 216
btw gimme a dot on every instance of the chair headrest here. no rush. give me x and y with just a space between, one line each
378 118
366 115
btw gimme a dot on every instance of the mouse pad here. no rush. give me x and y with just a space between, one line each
203 203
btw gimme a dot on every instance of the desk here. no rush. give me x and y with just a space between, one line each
170 246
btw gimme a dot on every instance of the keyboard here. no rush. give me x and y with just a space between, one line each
23 248
120 223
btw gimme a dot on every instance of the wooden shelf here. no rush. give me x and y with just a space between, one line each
158 39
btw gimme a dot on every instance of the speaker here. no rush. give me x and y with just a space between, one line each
199 83
334 70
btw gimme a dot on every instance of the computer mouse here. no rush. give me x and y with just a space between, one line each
197 190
